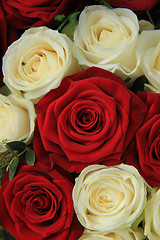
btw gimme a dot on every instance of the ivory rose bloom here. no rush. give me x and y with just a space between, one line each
122 234
107 39
37 62
17 119
152 217
149 50
109 198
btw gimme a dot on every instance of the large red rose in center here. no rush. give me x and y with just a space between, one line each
89 119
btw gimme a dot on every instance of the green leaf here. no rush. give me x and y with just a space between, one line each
59 18
138 84
72 22
104 3
12 167
17 145
127 79
30 157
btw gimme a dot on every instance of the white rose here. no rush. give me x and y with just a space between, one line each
145 25
37 62
122 234
107 39
108 198
149 50
152 217
17 119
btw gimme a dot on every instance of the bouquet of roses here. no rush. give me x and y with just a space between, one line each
80 120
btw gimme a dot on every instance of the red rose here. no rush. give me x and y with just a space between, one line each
3 40
23 14
147 157
7 36
37 204
136 5
90 118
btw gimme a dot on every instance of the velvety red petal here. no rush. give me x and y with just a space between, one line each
136 5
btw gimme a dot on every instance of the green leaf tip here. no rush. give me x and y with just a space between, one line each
17 145
59 17
104 3
30 157
12 168
70 21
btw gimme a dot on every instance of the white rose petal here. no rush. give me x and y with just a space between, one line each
145 25
37 62
122 234
149 50
107 39
108 198
152 217
17 119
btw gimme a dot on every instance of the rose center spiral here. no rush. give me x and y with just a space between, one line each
87 119
86 116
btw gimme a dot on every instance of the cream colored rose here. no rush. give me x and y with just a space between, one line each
37 62
152 217
109 198
107 38
122 234
149 50
17 119
145 25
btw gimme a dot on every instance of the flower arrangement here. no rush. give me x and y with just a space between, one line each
80 120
